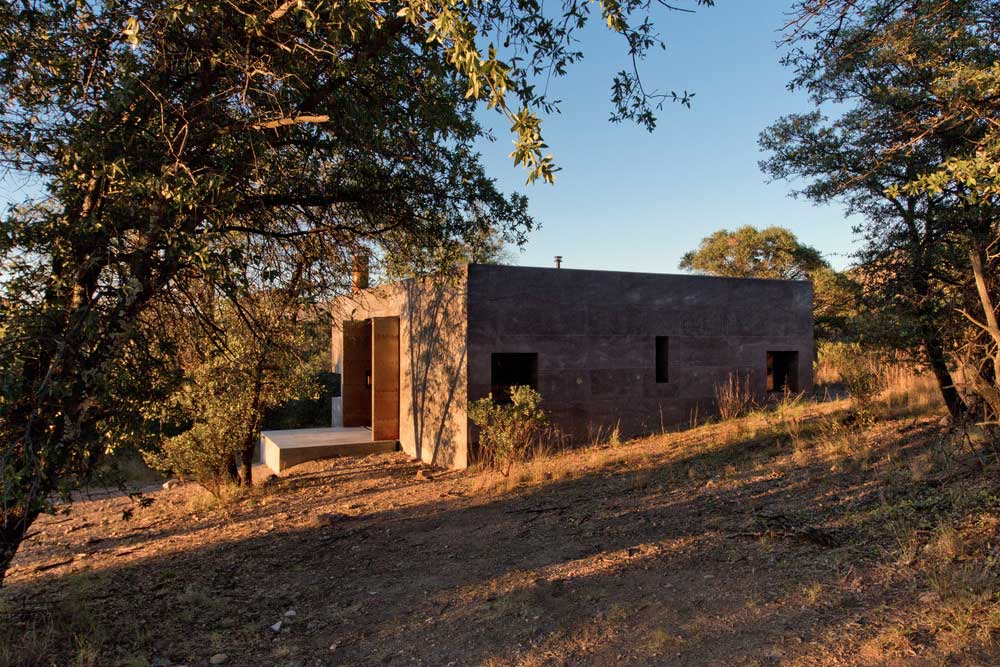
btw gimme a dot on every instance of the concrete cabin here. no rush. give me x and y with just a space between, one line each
604 348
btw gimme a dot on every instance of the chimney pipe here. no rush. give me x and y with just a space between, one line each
558 261
359 272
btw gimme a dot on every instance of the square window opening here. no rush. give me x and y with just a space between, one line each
512 369
783 371
662 359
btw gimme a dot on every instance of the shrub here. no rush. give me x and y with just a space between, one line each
219 412
199 455
734 398
252 362
787 418
208 449
861 374
508 431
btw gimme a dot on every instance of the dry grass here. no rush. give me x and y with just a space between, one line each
905 390
909 393
791 424
947 544
52 630
734 398
912 578
228 498
825 372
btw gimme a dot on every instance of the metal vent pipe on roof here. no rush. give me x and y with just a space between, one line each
558 261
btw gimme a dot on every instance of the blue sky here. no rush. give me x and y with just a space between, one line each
630 200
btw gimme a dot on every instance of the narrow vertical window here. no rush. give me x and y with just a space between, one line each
663 359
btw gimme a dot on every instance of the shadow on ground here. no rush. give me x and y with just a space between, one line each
734 555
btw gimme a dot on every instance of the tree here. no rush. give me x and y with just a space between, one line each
902 254
893 65
169 136
747 252
959 76
442 261
776 253
242 349
231 381
165 164
836 304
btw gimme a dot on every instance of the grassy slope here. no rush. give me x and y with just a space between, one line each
781 538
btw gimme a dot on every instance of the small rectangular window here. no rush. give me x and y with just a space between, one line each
663 359
783 371
512 369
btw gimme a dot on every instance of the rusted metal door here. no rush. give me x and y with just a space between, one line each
385 378
357 371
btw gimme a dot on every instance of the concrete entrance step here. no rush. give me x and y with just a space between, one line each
283 449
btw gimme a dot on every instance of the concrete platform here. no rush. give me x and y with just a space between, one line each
284 449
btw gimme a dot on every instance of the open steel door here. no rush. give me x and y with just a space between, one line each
357 372
385 378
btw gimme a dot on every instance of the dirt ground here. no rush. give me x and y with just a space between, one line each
730 545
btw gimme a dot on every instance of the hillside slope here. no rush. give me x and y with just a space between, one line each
779 539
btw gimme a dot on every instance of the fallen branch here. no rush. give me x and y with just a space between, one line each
52 566
148 525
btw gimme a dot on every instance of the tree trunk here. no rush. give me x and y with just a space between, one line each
233 471
987 387
939 366
12 532
256 424
247 458
992 326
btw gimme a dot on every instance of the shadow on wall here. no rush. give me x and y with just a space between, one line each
433 313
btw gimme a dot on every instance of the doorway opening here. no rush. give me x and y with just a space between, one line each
356 379
783 371
370 381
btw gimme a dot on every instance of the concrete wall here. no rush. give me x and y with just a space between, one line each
594 332
432 364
